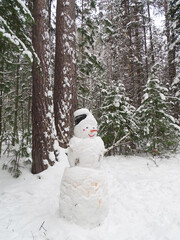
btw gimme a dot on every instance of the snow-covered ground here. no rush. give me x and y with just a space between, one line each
144 202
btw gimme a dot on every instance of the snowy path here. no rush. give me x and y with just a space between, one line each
144 203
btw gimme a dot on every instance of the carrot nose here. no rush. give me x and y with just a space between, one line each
93 131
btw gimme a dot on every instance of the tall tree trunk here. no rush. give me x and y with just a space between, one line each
130 85
65 89
145 47
15 129
138 75
43 132
150 35
110 78
171 50
28 119
1 104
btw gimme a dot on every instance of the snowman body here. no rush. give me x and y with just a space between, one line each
85 152
84 194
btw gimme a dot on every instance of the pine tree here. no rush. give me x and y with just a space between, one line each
116 115
158 130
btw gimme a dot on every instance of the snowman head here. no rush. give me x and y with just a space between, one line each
85 124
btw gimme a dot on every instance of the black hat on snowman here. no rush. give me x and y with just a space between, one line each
83 114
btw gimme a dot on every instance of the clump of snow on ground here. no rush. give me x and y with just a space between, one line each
144 202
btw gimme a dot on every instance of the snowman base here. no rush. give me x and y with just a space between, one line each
84 196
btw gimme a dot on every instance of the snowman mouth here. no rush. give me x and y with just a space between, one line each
91 135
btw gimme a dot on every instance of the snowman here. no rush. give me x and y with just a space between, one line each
83 193
86 149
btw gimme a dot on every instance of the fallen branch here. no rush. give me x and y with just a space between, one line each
154 161
42 226
116 144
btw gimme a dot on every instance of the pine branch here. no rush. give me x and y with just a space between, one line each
116 144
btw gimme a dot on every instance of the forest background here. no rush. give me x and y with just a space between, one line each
108 56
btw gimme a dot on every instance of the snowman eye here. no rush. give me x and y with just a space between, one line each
86 127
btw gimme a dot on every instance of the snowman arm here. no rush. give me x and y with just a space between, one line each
116 144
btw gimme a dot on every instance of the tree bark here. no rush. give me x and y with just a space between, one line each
15 127
138 75
1 103
145 47
65 89
43 132
130 84
151 36
171 51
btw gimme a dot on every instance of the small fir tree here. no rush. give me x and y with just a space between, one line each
117 115
158 129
